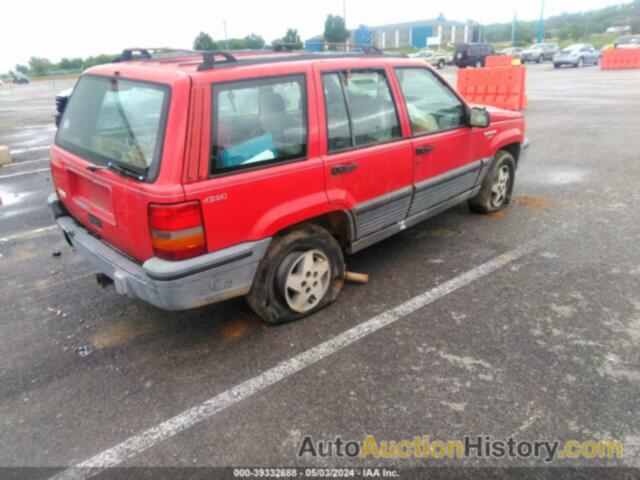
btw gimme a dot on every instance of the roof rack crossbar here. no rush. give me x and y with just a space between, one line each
127 54
209 59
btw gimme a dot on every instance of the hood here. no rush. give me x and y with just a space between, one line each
500 114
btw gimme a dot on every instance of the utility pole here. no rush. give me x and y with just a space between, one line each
226 40
541 23
513 28
344 12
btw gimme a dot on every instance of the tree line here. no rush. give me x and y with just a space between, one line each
335 31
568 26
39 66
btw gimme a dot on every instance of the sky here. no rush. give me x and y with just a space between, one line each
71 28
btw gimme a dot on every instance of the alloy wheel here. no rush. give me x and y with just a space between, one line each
500 188
305 279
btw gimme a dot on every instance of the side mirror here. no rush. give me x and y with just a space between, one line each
479 117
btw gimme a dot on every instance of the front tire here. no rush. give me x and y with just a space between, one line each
497 187
302 272
580 63
540 59
440 64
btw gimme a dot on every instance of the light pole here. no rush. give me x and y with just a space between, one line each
226 40
541 23
513 28
344 11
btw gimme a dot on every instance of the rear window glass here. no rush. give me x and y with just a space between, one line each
258 122
115 120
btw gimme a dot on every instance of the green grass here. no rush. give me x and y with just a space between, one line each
598 40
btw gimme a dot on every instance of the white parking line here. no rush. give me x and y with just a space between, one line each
30 233
137 444
17 164
11 175
18 151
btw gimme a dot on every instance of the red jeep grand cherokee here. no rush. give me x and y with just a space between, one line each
194 178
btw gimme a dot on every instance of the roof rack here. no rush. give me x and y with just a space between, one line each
209 59
208 56
127 54
219 58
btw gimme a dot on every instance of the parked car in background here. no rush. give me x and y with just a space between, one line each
436 58
515 52
19 77
472 54
539 52
627 41
61 102
287 164
577 55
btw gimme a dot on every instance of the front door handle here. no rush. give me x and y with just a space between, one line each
423 150
337 170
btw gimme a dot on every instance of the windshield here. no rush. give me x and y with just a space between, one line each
115 120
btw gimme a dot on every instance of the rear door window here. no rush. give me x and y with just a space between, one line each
360 109
116 120
257 122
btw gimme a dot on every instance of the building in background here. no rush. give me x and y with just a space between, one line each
417 34
437 32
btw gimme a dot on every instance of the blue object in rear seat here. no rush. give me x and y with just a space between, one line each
244 152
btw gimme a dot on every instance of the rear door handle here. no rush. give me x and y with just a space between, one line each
423 150
337 170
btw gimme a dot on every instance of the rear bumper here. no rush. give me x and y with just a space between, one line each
168 285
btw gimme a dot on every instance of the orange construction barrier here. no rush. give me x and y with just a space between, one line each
620 59
503 87
498 61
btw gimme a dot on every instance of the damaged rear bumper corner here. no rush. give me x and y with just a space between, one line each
179 285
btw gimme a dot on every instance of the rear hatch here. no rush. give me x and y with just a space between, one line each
461 52
107 156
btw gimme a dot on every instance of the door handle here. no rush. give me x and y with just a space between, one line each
423 150
337 170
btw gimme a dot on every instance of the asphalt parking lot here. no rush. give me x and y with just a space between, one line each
542 345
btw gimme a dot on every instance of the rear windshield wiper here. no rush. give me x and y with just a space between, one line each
119 169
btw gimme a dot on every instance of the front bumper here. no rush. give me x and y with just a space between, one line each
168 285
524 148
565 61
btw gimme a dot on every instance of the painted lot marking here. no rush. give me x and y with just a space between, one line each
30 233
17 164
30 172
143 441
18 151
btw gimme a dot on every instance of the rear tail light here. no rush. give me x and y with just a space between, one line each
177 231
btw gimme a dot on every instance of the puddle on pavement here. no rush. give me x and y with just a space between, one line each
119 334
418 233
236 329
535 202
12 198
561 176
